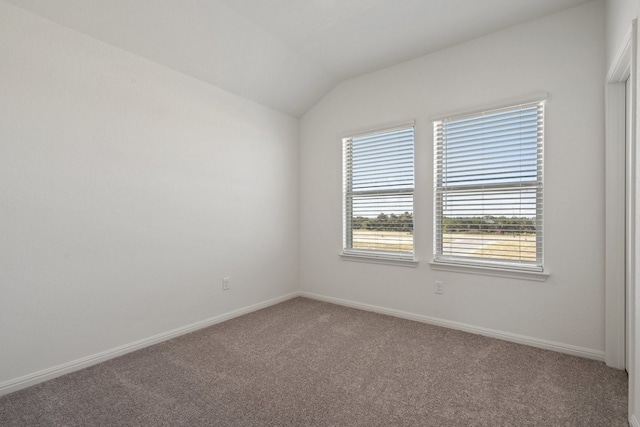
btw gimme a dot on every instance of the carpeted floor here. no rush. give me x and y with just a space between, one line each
308 363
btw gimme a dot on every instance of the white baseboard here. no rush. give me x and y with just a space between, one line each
65 368
633 421
506 336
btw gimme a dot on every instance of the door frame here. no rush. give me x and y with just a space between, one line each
619 171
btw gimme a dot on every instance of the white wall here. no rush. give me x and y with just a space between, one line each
562 54
127 191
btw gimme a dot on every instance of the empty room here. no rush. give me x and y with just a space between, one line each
319 213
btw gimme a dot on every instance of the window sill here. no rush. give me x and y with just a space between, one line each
379 259
537 276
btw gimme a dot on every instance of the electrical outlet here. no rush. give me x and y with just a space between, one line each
439 287
225 283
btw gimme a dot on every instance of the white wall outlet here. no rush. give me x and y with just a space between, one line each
225 283
439 287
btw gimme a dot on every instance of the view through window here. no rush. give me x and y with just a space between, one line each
488 187
378 193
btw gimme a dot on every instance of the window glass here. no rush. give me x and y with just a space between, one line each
378 193
488 187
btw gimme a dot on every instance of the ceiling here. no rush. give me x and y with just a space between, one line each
286 54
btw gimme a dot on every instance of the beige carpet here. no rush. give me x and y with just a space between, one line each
308 363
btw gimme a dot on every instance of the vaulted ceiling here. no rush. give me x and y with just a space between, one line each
286 54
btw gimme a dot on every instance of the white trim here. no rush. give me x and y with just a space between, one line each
388 128
75 365
633 308
505 336
615 234
538 276
503 103
633 421
56 371
621 65
379 259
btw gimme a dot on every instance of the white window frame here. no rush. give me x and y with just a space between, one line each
392 257
478 265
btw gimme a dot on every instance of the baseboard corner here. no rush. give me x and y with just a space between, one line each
29 380
478 330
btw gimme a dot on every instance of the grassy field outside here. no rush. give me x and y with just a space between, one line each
393 241
516 248
507 247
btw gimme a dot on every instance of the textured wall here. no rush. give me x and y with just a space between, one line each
128 191
562 54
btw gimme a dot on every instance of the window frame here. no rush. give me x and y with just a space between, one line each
479 265
348 253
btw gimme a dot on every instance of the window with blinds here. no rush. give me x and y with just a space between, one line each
378 193
488 188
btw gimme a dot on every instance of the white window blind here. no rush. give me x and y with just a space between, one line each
378 193
488 188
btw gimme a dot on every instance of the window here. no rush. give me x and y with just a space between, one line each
378 194
488 188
